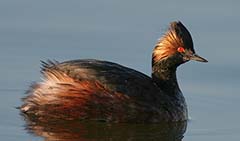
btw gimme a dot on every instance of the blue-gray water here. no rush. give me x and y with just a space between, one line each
124 32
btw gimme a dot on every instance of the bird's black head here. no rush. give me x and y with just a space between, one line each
176 45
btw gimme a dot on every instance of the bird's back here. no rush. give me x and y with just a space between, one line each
112 76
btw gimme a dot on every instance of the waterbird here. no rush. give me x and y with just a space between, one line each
90 89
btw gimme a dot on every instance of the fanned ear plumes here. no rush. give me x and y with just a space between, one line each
176 36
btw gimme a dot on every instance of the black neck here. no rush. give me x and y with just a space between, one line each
164 75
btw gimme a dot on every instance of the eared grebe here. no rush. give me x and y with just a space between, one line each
101 90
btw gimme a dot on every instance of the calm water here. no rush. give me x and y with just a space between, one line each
124 32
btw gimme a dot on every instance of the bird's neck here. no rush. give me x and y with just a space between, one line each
164 75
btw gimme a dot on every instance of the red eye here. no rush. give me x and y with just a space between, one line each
181 49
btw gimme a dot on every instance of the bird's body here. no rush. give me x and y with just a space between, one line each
100 90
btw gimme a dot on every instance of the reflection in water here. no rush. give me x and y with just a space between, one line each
52 129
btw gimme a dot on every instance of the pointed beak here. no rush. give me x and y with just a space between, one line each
196 57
